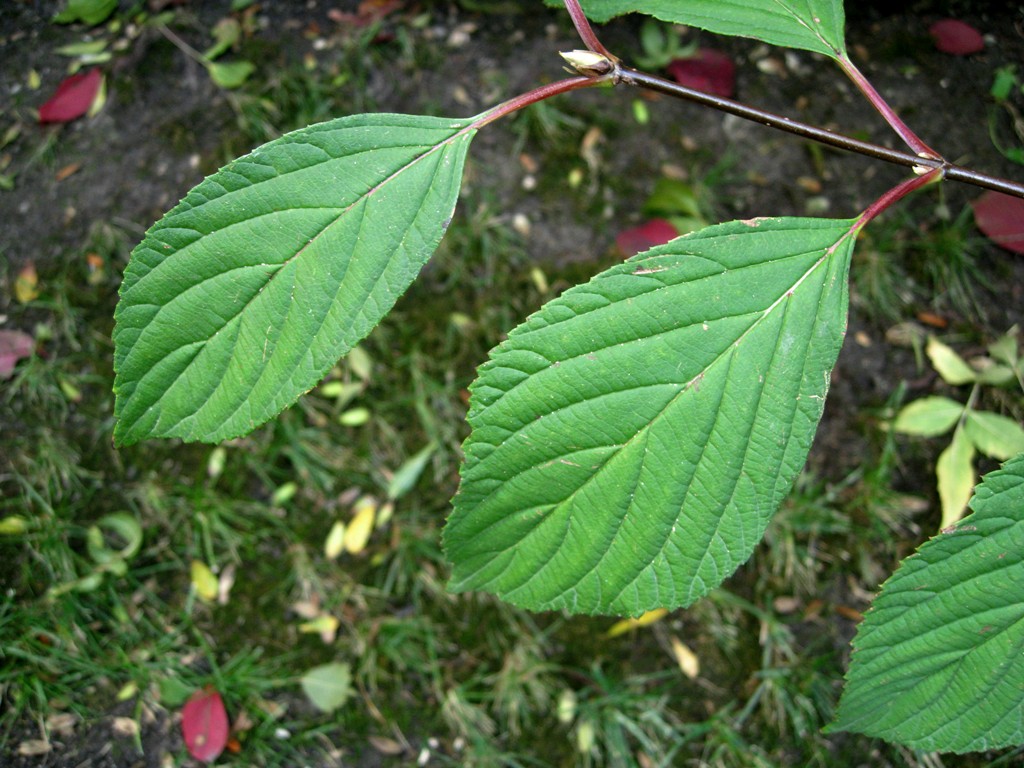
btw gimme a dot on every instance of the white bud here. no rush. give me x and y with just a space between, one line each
588 63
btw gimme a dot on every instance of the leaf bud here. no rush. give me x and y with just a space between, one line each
588 63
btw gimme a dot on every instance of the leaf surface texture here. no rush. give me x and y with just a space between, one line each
246 293
936 662
631 440
811 25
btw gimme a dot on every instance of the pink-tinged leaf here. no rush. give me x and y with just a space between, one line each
709 71
647 235
956 37
73 98
1001 218
14 345
204 724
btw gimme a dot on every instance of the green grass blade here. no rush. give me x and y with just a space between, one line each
632 439
246 293
936 662
811 25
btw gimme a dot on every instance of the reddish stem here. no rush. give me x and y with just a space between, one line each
537 94
896 194
585 31
910 138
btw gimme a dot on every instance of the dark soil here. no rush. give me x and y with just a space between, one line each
166 124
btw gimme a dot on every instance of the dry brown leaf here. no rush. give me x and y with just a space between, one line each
61 723
530 165
68 170
34 748
813 609
124 726
386 746
307 609
930 318
849 613
785 605
225 582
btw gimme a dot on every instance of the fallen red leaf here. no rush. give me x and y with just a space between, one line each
709 71
956 37
1001 218
14 345
368 12
204 724
647 235
73 98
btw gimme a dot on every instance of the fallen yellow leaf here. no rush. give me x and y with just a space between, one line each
687 660
26 284
324 625
621 627
203 581
335 540
361 525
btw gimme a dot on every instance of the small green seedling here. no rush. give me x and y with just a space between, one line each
1006 124
974 430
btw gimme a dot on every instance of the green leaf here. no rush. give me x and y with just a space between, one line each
812 25
631 440
994 435
955 472
328 686
245 294
230 74
1005 349
204 581
950 366
85 48
405 477
91 12
174 692
13 525
996 375
928 417
673 198
117 536
226 33
936 662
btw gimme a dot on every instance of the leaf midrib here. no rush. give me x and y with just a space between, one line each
684 386
813 30
653 290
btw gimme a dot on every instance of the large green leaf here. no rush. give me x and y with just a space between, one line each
631 440
245 294
812 25
937 661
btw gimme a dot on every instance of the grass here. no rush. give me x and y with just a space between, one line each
459 680
921 258
487 682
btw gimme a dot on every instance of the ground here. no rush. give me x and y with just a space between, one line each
94 185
